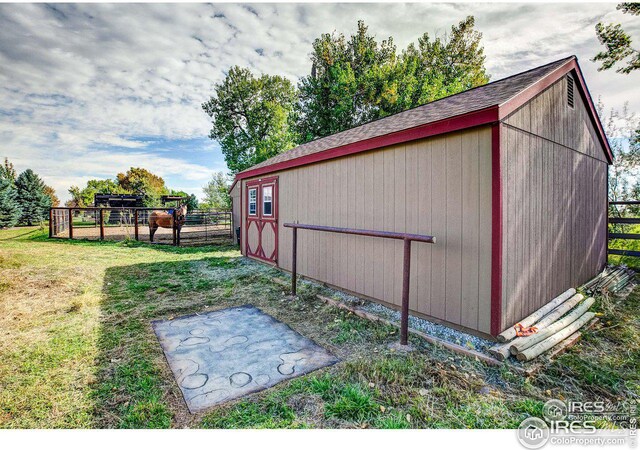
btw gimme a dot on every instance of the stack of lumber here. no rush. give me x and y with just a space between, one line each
556 326
612 279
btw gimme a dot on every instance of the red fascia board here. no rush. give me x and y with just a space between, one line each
461 122
594 115
526 95
496 232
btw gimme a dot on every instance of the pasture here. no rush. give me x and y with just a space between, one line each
78 350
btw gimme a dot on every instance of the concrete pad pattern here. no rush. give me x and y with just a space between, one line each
222 355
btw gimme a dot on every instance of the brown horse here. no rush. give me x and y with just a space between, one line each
164 219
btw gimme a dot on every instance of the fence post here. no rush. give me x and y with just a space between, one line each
175 229
294 257
50 222
102 224
70 223
135 220
406 272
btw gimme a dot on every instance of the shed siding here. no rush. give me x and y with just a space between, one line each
439 186
554 181
548 116
235 206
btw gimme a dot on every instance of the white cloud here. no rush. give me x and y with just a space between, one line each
86 88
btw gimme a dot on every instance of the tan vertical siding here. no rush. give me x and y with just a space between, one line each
235 206
439 186
554 201
548 116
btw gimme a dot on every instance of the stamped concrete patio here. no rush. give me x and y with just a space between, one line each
227 354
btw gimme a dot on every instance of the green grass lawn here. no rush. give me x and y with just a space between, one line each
78 351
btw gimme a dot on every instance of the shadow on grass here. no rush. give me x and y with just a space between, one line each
42 235
133 379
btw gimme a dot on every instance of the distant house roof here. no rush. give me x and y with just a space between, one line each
478 106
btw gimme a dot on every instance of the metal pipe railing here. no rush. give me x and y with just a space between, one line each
407 238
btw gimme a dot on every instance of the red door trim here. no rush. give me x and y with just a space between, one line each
261 220
496 232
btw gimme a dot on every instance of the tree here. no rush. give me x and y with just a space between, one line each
140 181
216 193
81 198
622 128
252 118
436 68
344 83
8 172
358 80
618 43
32 198
51 193
189 199
10 210
192 202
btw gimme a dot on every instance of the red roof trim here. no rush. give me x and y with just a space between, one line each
468 120
464 121
529 93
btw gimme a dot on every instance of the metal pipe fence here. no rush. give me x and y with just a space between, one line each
118 224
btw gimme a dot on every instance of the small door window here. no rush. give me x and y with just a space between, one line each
267 201
253 193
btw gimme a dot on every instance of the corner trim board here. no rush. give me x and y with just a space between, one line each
496 231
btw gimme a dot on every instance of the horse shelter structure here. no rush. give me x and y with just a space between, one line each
510 179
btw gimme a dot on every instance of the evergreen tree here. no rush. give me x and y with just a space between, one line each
10 210
33 201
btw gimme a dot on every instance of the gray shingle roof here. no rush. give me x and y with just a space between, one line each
491 94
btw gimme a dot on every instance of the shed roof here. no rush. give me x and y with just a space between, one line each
478 106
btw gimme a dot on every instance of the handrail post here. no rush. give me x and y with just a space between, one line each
406 238
135 219
50 223
175 230
406 273
102 224
294 257
70 223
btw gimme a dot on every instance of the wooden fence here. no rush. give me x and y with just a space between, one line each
619 221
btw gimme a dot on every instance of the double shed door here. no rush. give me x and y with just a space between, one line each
262 219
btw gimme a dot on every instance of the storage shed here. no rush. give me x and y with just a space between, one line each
510 177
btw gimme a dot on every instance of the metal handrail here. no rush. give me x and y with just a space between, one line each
407 238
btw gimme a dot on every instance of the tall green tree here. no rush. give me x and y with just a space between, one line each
356 80
435 68
252 117
618 43
32 198
345 81
216 193
10 211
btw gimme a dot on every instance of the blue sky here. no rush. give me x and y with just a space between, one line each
88 90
